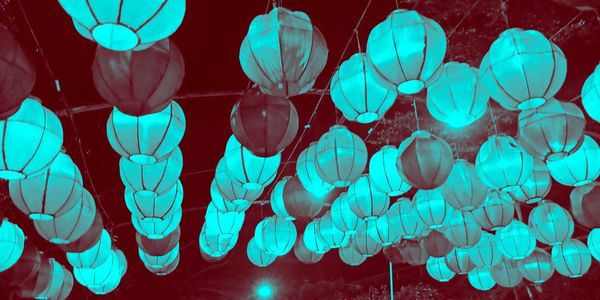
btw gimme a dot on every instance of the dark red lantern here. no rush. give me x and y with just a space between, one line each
413 253
264 124
436 244
25 268
393 254
139 82
158 247
88 239
300 203
35 285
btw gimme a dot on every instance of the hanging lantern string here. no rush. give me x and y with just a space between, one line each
503 10
464 17
575 98
372 129
67 109
397 5
493 117
416 113
566 25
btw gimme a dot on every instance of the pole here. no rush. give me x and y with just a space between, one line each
391 283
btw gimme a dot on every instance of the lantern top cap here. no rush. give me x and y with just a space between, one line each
338 127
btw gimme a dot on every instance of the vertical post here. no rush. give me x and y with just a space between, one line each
391 283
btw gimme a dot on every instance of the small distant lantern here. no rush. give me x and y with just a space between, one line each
463 189
593 243
252 171
306 169
459 262
537 267
275 235
436 268
436 244
93 257
580 167
572 258
304 255
99 276
496 211
216 244
153 179
157 208
481 279
502 164
551 223
365 200
516 241
590 95
431 207
300 203
158 229
350 256
506 273
485 253
462 230
365 244
332 235
165 269
341 156
404 219
384 174
342 216
231 190
536 187
223 223
161 261
158 247
257 256
313 240
414 253
12 243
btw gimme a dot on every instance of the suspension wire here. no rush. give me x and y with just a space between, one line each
464 17
416 114
504 11
397 5
416 3
493 117
372 129
575 98
566 25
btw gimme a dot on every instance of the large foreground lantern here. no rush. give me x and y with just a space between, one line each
283 52
516 241
350 256
551 223
481 279
590 95
341 156
571 258
12 243
486 252
579 168
496 211
502 164
125 25
438 270
306 169
158 229
410 68
536 187
155 208
252 171
275 235
463 189
231 190
523 69
506 273
152 179
257 256
537 267
384 174
365 200
404 219
300 203
431 207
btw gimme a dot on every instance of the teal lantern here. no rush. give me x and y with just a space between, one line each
276 199
350 256
158 247
57 280
356 92
216 244
107 287
463 189
485 253
341 156
152 179
431 207
257 256
231 190
12 243
161 261
496 211
506 273
150 208
593 243
306 169
436 268
99 276
165 269
94 256
382 231
459 262
403 219
253 172
551 223
225 205
516 241
304 255
313 240
536 187
31 138
283 52
88 239
342 216
502 164
365 244
436 244
522 69
413 253
275 235
579 168
590 95
365 200
158 229
300 203
223 223
457 98
424 160
462 230
537 267
51 193
481 279
571 258
412 67
149 138
384 174
67 286
333 236
122 26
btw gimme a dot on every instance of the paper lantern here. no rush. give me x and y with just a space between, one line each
393 254
88 239
300 203
231 190
161 261
31 138
457 98
462 230
436 268
516 241
350 256
431 207
152 209
436 244
537 267
12 243
216 244
404 220
571 258
71 225
107 287
485 253
121 26
481 279
223 223
304 255
57 277
95 278
275 235
502 164
410 68
158 247
149 138
257 256
341 156
211 259
593 243
18 74
67 287
459 262
585 204
38 282
139 82
283 52
276 200
152 179
382 231
159 229
306 169
551 223
463 189
313 240
384 174
122 261
413 253
536 187
496 211
252 171
506 273
93 257
579 168
27 265
365 244
333 236
522 69
365 200
264 124
590 95
342 216
356 92
166 269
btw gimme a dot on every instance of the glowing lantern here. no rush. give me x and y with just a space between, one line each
579 168
571 258
438 270
67 286
146 139
384 174
424 160
365 244
537 267
306 168
481 279
313 240
275 235
264 124
382 231
497 210
56 280
150 208
107 287
486 252
277 201
342 216
431 207
436 244
536 187
215 244
38 281
158 247
585 202
356 92
139 82
304 255
12 243
153 179
30 138
365 200
410 68
459 262
350 256
593 243
27 265
502 164
506 273
125 25
463 189
95 278
333 236
551 223
94 256
211 259
283 52
462 230
122 261
257 256
404 220
300 203
522 69
231 190
590 95
341 156
159 261
252 171
223 223
165 269
457 98
71 225
88 239
516 241
157 230
413 253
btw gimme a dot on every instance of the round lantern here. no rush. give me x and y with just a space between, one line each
50 194
571 258
159 229
496 211
350 256
107 287
341 156
139 82
536 187
27 265
264 124
300 203
424 160
342 216
149 138
18 74
382 231
365 244
459 262
31 138
590 95
67 286
593 243
365 200
384 174
257 256
551 223
223 223
463 189
356 92
88 239
275 235
333 236
94 256
436 244
152 179
457 98
486 252
306 169
481 279
304 255
165 269
150 208
411 68
161 261
579 168
506 273
277 201
431 207
215 244
404 219
12 243
438 270
283 52
121 26
585 204
38 282
158 247
413 253
393 254
537 267
57 277
522 69
313 240
71 225
95 278
252 171
122 261
231 190
516 241
209 258
462 230
502 164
